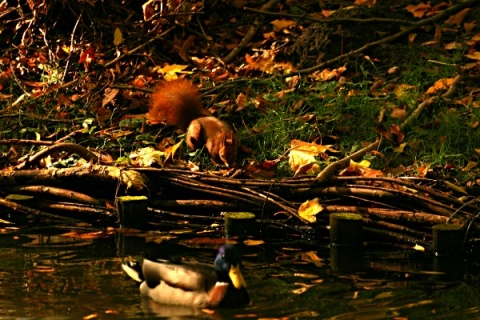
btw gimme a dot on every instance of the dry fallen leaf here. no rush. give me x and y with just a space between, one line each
419 10
117 37
368 3
309 209
361 169
458 17
474 55
280 24
442 84
302 156
302 162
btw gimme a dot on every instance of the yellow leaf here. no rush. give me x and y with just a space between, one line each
301 157
117 37
170 71
172 150
312 148
401 90
298 160
419 248
363 163
309 209
360 169
400 148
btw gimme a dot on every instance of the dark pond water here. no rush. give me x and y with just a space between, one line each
55 273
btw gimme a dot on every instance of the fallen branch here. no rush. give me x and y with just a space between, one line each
343 163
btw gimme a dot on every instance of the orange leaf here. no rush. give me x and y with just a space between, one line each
442 84
368 3
474 56
458 17
419 10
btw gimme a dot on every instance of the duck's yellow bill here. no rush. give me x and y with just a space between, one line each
237 277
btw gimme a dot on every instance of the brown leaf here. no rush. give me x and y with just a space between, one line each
241 101
265 170
419 10
110 94
102 115
280 24
187 44
399 113
458 17
469 26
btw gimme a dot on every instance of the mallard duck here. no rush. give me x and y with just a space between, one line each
197 285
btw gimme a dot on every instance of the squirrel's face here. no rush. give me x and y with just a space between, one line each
227 152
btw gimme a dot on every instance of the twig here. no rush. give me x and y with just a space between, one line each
288 209
251 32
58 192
430 101
26 210
343 163
25 141
67 147
160 36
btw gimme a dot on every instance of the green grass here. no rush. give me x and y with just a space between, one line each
442 134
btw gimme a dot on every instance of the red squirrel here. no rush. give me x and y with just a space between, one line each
178 103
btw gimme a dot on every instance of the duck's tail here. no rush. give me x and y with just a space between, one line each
134 270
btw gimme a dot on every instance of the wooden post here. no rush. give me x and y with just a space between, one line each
346 229
447 239
240 224
132 211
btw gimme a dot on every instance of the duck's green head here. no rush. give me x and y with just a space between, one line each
227 265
